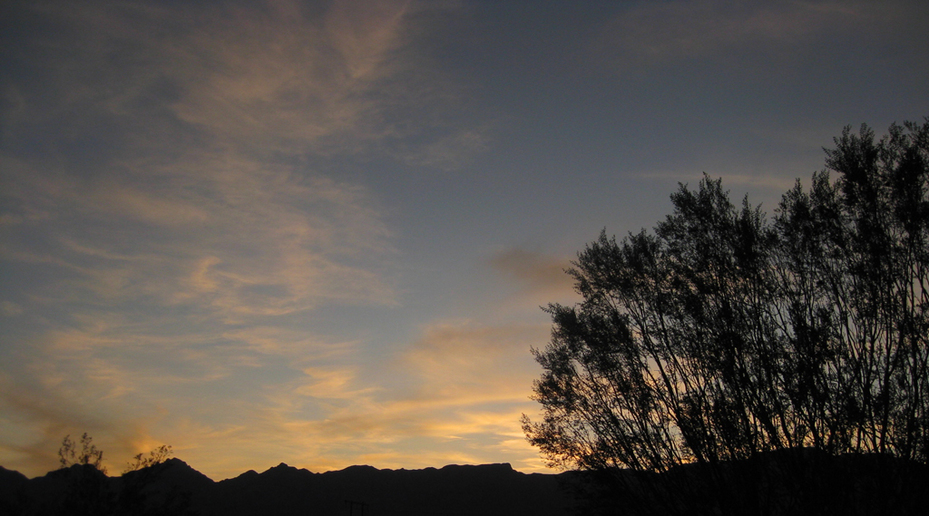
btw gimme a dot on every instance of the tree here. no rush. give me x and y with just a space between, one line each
722 335
155 456
68 454
89 493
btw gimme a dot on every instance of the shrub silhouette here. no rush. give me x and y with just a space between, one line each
723 335
68 454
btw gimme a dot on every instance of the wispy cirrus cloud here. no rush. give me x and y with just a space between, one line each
164 234
475 363
270 76
541 278
455 395
277 80
252 241
178 258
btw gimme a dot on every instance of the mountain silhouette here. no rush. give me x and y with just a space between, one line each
801 481
173 487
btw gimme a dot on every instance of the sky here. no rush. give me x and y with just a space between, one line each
321 233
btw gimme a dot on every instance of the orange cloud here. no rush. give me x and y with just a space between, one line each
539 274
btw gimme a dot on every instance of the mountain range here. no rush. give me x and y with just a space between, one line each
794 481
173 487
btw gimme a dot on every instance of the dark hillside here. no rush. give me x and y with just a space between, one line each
452 490
790 482
785 482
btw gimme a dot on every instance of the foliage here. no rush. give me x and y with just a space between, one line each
68 454
722 335
155 456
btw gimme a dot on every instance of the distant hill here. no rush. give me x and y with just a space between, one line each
174 487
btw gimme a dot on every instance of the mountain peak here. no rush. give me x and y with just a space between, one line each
283 470
281 467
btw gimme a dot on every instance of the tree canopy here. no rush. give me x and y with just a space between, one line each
724 333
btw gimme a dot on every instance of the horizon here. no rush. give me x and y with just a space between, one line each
284 464
322 231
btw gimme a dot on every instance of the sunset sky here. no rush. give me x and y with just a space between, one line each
320 233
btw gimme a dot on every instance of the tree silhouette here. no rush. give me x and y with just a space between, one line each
155 456
69 455
722 335
89 492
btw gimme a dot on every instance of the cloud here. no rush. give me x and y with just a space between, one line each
277 76
264 78
130 387
472 364
173 174
465 387
537 272
539 279
242 240
468 381
134 301
155 332
174 250
39 411
150 214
